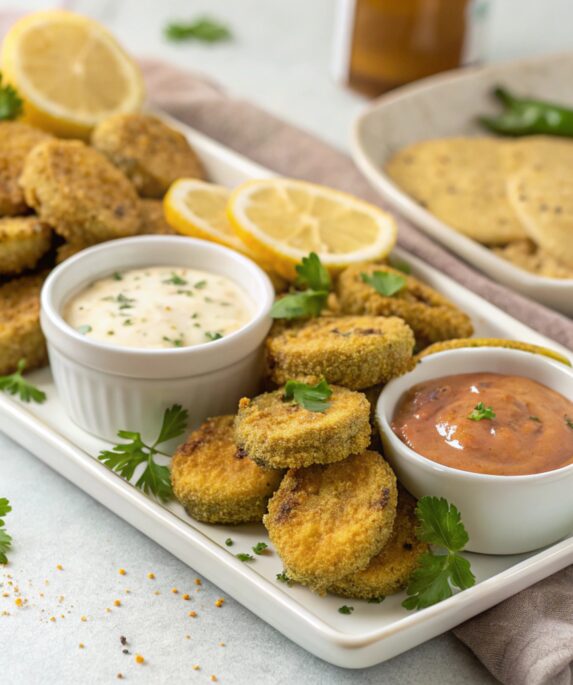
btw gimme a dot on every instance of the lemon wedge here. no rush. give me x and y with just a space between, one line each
281 220
70 72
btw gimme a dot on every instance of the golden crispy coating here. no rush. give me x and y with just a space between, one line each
20 334
16 141
214 482
24 240
326 522
149 152
353 351
79 193
282 434
153 220
430 315
389 571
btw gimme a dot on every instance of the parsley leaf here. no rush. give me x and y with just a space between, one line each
376 600
260 547
345 609
213 336
300 305
311 397
203 29
16 384
311 273
283 578
431 582
124 458
480 411
569 422
229 542
242 556
11 104
385 283
5 539
174 279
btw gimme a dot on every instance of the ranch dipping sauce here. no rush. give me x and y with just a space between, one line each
159 307
487 423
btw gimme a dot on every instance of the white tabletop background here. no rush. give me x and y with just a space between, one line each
279 58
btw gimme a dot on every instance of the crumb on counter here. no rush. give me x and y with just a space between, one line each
174 590
151 576
59 567
122 571
198 581
117 602
81 645
186 596
83 618
219 602
193 614
139 659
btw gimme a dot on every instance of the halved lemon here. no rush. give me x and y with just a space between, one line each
282 220
70 71
199 209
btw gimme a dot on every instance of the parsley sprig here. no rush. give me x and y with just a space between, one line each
311 397
126 457
5 539
16 384
440 524
11 104
203 29
480 412
312 276
384 283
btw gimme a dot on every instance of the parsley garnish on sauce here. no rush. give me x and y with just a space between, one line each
440 524
204 29
312 276
174 279
311 397
213 336
124 458
384 282
5 539
480 411
16 384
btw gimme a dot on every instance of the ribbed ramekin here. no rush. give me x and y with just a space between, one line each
105 388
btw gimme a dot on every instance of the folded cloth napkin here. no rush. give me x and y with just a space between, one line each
528 639
290 151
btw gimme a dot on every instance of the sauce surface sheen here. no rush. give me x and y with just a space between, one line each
531 432
159 307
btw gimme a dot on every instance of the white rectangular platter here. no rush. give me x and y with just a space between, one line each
448 105
374 632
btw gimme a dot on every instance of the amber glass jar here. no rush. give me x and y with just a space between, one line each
382 44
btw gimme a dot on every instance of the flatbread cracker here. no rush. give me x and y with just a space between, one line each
462 181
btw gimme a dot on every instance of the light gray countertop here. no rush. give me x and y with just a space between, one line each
281 59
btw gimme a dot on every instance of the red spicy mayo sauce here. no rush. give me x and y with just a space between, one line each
487 423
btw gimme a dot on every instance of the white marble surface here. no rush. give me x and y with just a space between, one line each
280 58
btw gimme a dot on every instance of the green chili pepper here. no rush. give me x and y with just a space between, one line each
525 117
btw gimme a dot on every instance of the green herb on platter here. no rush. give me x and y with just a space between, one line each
126 457
345 609
229 542
16 384
384 282
243 556
260 547
376 600
5 539
11 104
480 411
204 29
440 524
312 276
283 578
311 273
311 397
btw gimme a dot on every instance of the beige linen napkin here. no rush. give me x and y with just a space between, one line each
528 639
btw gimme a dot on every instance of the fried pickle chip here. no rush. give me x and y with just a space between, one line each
282 434
24 240
16 141
389 571
430 315
153 220
353 351
149 152
327 522
20 333
79 193
214 482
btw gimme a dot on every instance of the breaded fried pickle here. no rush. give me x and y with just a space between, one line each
326 522
153 220
430 315
389 571
149 152
79 193
214 482
23 241
16 141
353 351
281 434
20 334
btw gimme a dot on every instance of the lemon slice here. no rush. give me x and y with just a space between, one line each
282 220
70 71
199 209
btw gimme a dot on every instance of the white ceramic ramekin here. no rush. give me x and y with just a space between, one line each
502 514
105 388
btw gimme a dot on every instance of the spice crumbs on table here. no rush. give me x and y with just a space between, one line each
151 576
219 602
123 640
139 659
157 592
196 667
221 644
117 603
53 619
185 596
59 567
119 676
198 581
187 637
213 678
18 602
193 614
108 610
81 645
83 618
122 571
174 590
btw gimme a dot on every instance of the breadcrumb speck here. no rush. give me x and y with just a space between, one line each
60 567
53 619
83 618
117 603
219 602
198 581
122 571
151 576
213 678
196 667
81 645
174 590
193 614
186 596
139 659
